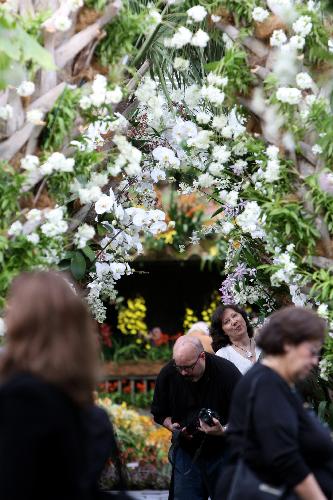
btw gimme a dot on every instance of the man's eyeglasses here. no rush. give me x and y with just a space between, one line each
315 352
187 368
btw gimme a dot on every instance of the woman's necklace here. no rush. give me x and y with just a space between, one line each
249 353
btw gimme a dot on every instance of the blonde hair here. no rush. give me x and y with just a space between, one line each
50 334
201 327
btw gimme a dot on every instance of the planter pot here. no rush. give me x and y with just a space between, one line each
141 367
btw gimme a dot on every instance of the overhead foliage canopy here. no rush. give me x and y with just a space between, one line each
228 98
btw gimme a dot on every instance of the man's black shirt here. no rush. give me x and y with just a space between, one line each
181 399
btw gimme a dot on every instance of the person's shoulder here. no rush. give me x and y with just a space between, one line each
23 383
222 365
167 371
97 414
223 352
265 379
29 391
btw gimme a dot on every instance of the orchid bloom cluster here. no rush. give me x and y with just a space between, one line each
123 239
254 134
207 142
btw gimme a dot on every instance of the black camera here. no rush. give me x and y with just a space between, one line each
206 415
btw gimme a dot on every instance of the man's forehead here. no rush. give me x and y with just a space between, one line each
185 353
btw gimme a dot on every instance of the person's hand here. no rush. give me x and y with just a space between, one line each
171 426
214 430
185 434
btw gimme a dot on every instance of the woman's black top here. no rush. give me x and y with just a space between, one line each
50 447
286 441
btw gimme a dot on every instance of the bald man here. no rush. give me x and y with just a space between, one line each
192 380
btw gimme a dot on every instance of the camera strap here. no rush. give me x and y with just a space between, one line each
196 455
175 445
172 459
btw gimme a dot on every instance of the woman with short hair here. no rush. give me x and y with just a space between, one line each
53 441
233 338
279 439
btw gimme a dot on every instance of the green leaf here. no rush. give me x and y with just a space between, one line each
68 254
321 410
89 253
218 211
32 50
78 266
9 45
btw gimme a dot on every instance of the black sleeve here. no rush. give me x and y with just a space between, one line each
160 407
100 444
276 427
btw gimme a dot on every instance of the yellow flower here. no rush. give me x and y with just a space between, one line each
167 236
131 319
189 319
213 251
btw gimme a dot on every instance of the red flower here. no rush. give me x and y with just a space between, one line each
140 386
112 386
162 340
105 333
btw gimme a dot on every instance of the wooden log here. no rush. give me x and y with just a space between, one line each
33 140
137 368
4 97
17 120
251 43
68 50
261 72
48 78
321 262
26 8
44 5
11 146
79 217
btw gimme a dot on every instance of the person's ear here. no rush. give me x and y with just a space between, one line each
287 348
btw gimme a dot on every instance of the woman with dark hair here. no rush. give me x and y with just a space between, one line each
281 442
53 441
232 337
